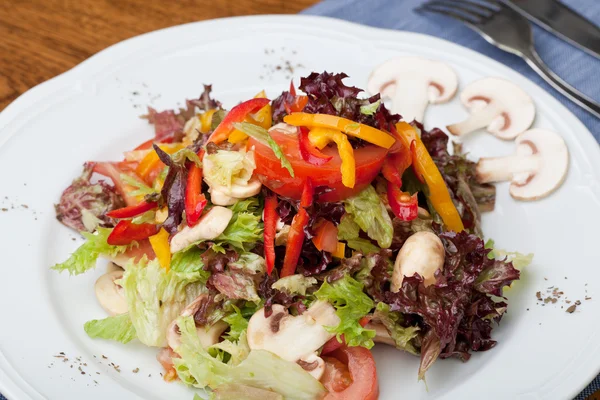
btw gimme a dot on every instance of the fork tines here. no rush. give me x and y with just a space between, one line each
469 12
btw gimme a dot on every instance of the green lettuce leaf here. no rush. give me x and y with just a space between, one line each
235 391
349 231
261 369
244 229
294 284
370 109
402 336
351 304
117 328
85 257
234 352
154 298
229 167
519 260
189 260
141 188
237 324
369 213
249 263
262 135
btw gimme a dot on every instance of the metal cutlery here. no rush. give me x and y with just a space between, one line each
508 30
562 21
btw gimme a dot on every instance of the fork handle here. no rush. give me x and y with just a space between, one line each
538 65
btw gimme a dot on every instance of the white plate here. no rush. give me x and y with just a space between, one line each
88 113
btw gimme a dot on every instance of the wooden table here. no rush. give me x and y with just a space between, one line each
40 39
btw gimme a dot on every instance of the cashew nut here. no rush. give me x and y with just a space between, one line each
211 225
422 253
110 295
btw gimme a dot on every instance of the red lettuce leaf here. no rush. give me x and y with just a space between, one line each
173 191
83 196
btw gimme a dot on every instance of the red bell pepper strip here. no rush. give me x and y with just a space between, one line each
237 114
404 206
270 230
195 201
310 153
333 344
132 211
296 235
126 232
394 166
292 88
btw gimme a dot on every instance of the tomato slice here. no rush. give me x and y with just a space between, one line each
268 168
350 374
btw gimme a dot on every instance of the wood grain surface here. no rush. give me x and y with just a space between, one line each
40 39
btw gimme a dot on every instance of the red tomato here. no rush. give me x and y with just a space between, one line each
268 168
350 374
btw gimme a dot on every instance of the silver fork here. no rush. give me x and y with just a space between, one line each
508 30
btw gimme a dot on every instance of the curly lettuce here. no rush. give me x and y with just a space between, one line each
85 257
229 167
244 229
369 213
261 369
118 328
351 305
349 231
154 298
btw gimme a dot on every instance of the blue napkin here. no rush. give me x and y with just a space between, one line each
573 65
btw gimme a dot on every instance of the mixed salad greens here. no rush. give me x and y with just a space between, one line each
265 249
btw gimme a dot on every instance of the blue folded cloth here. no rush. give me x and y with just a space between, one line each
573 65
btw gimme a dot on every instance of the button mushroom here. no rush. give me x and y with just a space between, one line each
294 338
501 106
422 253
210 225
412 83
208 337
537 169
112 267
109 294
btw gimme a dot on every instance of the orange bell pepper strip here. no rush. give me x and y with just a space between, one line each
321 137
426 169
151 161
160 245
361 131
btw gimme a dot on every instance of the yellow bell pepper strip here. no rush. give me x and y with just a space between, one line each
427 170
206 120
361 131
321 137
160 245
340 250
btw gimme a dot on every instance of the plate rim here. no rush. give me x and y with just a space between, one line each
14 112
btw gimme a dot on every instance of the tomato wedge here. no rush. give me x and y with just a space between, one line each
368 161
350 374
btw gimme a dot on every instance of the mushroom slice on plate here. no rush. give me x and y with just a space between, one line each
208 337
537 169
501 106
412 83
109 294
294 338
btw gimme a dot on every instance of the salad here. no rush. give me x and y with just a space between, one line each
265 249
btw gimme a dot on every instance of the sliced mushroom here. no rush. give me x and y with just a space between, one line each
227 195
284 128
211 225
110 295
381 334
208 337
501 106
538 168
422 253
112 267
313 364
412 83
293 338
